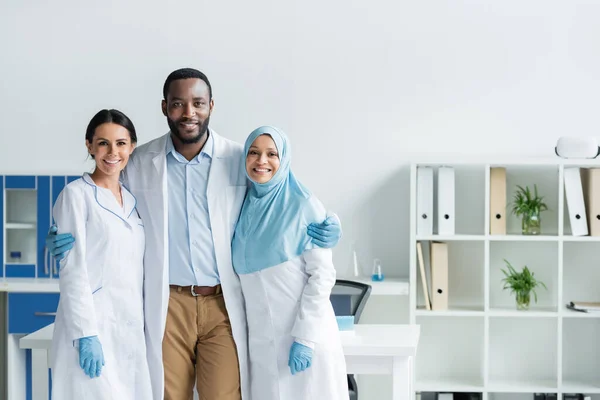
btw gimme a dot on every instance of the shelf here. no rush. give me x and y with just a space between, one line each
507 238
449 352
533 312
450 385
569 238
523 354
540 257
579 386
465 311
523 238
17 264
450 238
519 386
580 272
567 313
388 287
475 161
581 351
19 225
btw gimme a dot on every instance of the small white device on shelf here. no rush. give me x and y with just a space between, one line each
577 147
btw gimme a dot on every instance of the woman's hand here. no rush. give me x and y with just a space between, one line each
91 357
326 234
300 358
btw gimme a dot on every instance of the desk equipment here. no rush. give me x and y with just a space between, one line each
349 299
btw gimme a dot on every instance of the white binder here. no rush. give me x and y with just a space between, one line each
424 201
575 202
445 201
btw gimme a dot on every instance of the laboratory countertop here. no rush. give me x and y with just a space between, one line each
390 286
29 285
364 340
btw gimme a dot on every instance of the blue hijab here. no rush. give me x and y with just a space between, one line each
272 225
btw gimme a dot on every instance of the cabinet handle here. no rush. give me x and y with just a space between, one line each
46 256
44 314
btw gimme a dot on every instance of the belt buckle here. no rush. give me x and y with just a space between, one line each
192 291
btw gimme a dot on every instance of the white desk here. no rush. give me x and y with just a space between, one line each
29 285
383 349
369 349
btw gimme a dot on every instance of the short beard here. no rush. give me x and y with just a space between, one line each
203 128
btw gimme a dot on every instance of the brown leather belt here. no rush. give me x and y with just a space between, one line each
198 290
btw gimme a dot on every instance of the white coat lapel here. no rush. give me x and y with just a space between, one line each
109 203
161 202
218 178
129 203
159 162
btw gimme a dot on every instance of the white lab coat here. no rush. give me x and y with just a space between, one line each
146 177
287 302
100 294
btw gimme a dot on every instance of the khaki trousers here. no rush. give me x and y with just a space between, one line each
198 347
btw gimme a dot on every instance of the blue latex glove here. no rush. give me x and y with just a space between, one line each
300 358
91 357
326 234
58 245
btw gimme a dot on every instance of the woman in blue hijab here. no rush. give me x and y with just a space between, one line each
294 343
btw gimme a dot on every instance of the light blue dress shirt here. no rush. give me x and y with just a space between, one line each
192 258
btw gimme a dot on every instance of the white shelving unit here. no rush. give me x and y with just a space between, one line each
482 343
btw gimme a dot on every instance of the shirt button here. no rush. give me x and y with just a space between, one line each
131 356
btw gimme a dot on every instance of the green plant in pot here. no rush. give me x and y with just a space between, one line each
529 206
522 284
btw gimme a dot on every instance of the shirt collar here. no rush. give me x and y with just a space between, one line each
207 149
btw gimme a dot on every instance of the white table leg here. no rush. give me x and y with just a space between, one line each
401 379
39 375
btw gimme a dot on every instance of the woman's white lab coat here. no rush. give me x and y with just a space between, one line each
287 302
101 293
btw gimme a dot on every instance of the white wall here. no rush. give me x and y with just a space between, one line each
361 87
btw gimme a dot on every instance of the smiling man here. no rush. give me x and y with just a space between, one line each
190 185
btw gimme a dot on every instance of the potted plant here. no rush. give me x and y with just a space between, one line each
529 206
522 284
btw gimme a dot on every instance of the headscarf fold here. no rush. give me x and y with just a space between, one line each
272 225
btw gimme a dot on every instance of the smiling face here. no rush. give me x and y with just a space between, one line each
110 147
262 160
188 107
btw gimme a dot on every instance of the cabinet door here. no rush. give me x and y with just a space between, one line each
20 182
20 221
43 223
58 184
28 312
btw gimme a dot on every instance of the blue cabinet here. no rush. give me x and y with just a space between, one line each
20 225
20 182
2 229
58 184
28 312
26 206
